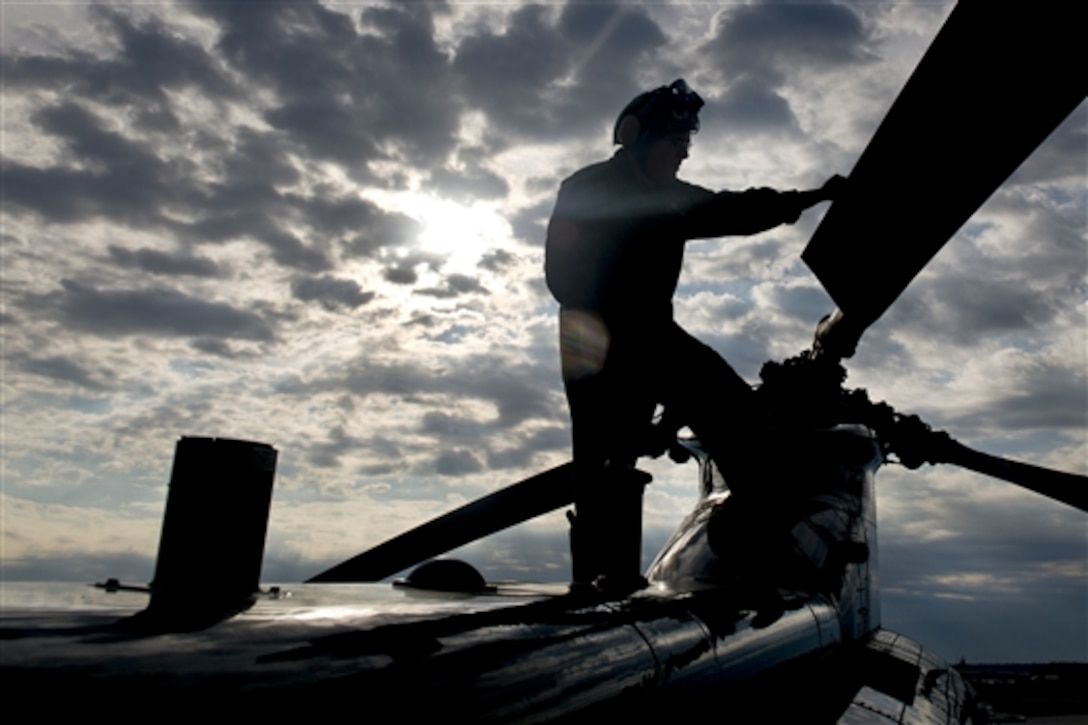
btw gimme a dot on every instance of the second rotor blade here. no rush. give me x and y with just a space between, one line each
1069 488
518 502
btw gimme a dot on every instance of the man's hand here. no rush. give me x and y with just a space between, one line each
833 188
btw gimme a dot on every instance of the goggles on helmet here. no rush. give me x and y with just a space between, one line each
662 111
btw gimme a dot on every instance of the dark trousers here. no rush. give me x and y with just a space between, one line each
615 374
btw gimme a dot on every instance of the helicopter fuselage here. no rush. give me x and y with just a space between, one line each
734 613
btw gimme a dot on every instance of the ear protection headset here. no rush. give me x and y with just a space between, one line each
664 110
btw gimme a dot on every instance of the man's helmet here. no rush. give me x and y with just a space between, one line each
657 113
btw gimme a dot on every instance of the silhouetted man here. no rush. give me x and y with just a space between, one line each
614 251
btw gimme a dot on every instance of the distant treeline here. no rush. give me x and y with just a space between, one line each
1032 689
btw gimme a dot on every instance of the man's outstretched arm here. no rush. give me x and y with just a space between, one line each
756 210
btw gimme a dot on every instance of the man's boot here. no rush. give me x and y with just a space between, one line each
606 530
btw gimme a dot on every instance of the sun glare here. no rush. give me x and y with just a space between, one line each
461 233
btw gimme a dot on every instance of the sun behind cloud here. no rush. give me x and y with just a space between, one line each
462 233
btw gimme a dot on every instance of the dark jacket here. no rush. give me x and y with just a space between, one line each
616 240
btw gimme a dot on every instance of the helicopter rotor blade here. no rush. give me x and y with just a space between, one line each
931 164
518 502
1069 488
913 443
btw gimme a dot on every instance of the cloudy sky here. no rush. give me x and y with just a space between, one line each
320 225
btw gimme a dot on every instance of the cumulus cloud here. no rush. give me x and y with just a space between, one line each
598 46
330 292
457 462
766 38
454 285
155 311
757 49
164 263
64 369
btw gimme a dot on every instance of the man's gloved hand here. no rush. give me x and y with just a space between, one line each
834 187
